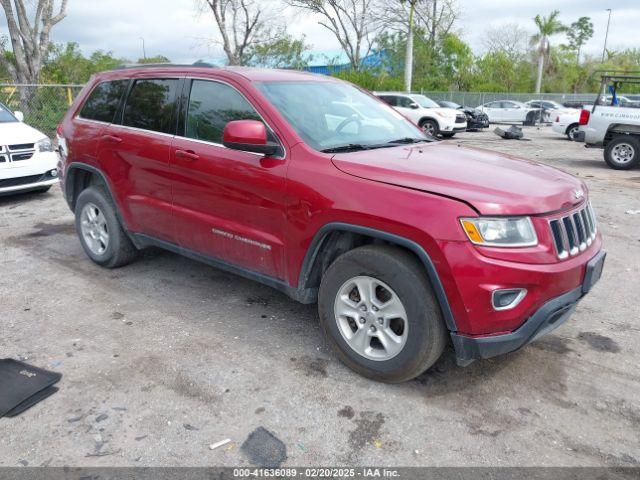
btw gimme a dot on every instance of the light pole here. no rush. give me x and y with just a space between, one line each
606 36
144 51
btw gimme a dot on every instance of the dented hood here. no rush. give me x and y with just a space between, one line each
493 183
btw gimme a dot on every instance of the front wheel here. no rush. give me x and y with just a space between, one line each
378 312
623 152
430 127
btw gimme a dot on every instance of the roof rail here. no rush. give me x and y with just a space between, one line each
171 65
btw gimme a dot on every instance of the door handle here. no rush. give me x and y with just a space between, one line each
187 154
111 138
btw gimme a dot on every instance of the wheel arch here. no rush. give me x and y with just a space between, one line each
425 118
80 176
570 126
619 129
336 238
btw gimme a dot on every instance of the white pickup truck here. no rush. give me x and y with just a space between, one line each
610 125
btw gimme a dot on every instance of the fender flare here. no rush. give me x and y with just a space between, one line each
432 273
69 186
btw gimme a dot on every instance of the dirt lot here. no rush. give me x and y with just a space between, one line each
166 356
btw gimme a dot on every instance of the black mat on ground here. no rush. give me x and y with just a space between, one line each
19 382
31 401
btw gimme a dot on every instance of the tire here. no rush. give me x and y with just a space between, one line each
623 152
447 135
430 127
572 130
104 241
423 330
530 119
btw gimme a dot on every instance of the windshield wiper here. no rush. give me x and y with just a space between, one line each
350 147
409 140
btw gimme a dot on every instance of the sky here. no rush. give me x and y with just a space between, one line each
175 29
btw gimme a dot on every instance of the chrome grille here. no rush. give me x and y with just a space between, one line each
461 118
574 232
17 152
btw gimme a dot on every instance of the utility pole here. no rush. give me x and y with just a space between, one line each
606 36
144 51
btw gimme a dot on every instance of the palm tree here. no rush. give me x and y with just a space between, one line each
547 27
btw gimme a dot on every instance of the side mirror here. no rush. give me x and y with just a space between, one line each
414 106
19 115
248 136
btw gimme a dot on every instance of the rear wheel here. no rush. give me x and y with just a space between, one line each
101 235
430 127
623 152
572 132
380 315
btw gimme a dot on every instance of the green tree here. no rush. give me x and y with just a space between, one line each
578 33
283 52
547 27
154 59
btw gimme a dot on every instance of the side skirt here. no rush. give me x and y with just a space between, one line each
302 295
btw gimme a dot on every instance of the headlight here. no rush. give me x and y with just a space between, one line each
500 232
445 114
45 145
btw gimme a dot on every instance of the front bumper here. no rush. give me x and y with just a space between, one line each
31 174
546 319
476 123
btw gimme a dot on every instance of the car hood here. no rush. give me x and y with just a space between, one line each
472 111
12 133
447 112
493 183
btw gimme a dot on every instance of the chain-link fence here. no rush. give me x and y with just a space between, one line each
473 99
43 106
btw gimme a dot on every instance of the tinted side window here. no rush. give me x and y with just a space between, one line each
211 106
389 100
103 101
405 102
150 105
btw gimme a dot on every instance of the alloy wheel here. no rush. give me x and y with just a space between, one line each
371 318
94 229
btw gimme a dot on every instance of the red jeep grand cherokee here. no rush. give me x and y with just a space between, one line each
314 187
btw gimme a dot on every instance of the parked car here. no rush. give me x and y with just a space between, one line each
404 242
510 111
550 109
476 120
426 113
614 126
568 124
27 159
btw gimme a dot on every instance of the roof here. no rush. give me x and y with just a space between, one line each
249 73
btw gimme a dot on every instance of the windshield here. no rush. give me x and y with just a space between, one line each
424 101
6 115
330 115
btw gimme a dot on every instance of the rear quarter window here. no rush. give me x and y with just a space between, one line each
102 103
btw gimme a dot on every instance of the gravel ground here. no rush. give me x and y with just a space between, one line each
164 357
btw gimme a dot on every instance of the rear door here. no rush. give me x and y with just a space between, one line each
229 205
135 152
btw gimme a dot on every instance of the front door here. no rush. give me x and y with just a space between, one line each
228 204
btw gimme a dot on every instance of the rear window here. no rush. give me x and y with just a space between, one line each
151 104
103 101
